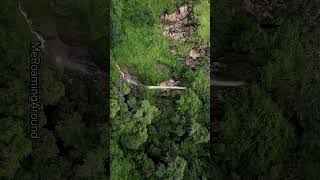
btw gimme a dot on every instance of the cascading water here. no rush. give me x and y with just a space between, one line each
130 81
35 33
57 50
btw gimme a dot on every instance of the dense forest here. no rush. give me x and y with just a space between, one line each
261 121
72 119
269 128
160 134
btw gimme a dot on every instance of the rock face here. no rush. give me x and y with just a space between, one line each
129 77
179 25
195 55
179 15
198 52
174 50
263 9
169 82
313 15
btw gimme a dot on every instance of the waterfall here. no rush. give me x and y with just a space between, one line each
58 56
227 83
165 87
148 87
29 22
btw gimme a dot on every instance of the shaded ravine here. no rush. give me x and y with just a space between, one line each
58 51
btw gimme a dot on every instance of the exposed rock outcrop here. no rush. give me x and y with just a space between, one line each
179 25
174 50
196 55
181 14
169 82
263 9
313 15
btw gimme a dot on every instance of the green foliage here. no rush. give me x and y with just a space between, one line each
93 167
270 126
121 167
156 137
117 29
174 170
202 11
255 133
199 133
141 18
133 51
252 40
189 104
81 20
130 132
52 89
70 129
133 129
44 157
15 146
69 120
200 83
135 22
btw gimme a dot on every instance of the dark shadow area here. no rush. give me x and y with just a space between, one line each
267 128
54 82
